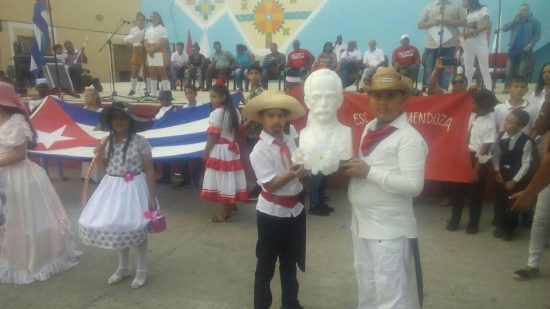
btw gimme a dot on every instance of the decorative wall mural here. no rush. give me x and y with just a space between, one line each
259 22
265 21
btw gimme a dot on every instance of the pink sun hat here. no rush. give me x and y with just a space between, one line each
9 98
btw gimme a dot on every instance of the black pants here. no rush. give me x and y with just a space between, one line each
317 189
474 192
505 218
284 238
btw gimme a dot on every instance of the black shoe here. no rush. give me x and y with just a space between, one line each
452 226
525 274
497 233
163 180
293 307
319 211
131 93
327 207
472 229
184 183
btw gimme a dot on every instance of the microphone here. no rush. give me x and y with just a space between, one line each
126 21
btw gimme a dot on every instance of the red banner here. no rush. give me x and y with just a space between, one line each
441 119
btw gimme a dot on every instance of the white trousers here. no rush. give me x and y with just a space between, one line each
477 47
540 231
385 273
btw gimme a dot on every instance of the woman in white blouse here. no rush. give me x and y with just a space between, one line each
156 38
475 43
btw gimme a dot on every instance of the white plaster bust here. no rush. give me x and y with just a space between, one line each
323 95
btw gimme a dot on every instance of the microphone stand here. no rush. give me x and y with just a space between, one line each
439 52
109 42
146 96
497 42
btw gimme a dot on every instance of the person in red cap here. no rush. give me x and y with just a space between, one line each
35 232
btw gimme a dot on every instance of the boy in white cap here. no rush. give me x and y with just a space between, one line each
281 221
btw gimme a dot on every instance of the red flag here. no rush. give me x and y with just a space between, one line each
441 119
189 43
58 130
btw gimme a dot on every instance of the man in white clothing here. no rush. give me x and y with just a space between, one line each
386 176
178 64
372 60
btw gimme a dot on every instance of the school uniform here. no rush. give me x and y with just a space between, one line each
502 110
512 158
482 131
281 222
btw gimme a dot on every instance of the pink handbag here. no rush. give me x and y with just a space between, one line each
158 221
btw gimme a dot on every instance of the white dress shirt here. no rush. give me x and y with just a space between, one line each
382 202
482 131
352 56
179 59
525 158
267 164
339 50
373 58
502 110
155 33
162 111
134 37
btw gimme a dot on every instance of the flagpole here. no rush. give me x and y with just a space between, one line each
497 39
53 44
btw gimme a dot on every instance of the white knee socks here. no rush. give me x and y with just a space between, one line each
134 83
123 266
165 84
153 87
141 265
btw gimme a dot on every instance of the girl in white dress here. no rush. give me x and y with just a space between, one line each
114 217
92 102
224 180
35 237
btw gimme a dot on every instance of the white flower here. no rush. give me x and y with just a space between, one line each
321 159
298 156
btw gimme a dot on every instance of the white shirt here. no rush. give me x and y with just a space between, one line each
482 131
338 50
373 58
162 111
382 202
473 20
502 110
155 33
179 59
354 55
267 164
525 159
134 37
537 100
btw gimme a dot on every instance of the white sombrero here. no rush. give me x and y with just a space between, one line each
270 99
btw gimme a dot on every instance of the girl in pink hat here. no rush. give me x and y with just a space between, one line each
35 235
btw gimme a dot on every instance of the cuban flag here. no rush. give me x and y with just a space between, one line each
67 131
41 38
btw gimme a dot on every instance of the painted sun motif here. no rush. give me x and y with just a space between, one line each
205 8
269 16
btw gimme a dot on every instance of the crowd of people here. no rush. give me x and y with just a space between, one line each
507 141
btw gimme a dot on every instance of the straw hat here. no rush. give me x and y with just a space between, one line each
387 79
270 99
9 98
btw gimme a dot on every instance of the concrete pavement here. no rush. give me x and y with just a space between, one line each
197 264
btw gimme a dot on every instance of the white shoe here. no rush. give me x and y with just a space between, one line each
118 276
139 280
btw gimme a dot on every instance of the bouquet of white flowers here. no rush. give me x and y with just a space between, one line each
319 159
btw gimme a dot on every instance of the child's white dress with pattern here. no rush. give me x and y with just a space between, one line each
114 216
224 180
35 241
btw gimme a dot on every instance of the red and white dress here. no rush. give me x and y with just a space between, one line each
224 180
